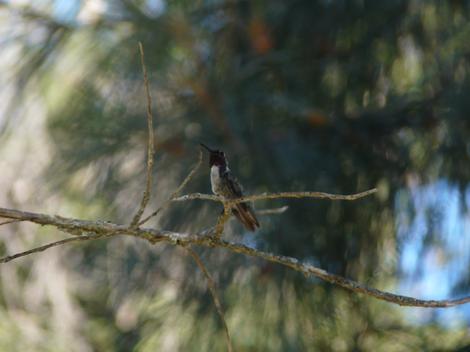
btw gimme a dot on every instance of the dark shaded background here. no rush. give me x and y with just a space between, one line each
333 96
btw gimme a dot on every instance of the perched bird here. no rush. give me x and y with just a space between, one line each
225 185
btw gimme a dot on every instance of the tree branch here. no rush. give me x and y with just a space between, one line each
222 219
215 297
189 176
208 240
47 246
279 195
9 222
150 143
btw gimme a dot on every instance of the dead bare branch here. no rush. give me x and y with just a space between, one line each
150 143
189 177
215 297
222 219
279 195
9 222
47 246
207 240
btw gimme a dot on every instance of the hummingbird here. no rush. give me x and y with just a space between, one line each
225 185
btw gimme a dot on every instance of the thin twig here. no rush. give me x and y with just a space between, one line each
215 297
10 222
280 195
177 192
189 177
273 211
49 245
150 143
154 236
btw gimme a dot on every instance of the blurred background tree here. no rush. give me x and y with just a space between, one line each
334 96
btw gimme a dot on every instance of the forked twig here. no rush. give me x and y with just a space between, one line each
213 291
150 143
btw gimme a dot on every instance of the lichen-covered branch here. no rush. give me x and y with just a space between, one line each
209 240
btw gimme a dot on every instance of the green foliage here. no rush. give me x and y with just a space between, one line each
331 96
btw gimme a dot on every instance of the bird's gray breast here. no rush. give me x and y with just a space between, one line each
216 181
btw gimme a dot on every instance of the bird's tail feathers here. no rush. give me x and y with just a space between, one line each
246 215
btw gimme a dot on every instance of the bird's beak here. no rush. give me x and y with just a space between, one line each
206 147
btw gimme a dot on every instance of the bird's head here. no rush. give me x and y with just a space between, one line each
216 157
